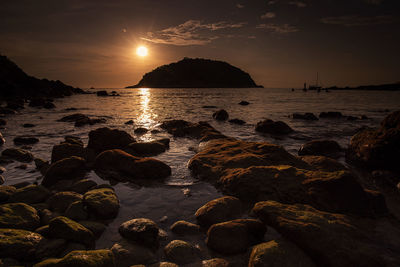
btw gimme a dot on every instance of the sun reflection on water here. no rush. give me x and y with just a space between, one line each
146 117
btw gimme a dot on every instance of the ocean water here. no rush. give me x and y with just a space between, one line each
179 196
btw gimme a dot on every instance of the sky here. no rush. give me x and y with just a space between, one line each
280 43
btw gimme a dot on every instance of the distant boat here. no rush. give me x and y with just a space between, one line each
316 86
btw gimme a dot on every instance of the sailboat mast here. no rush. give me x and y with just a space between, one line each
317 80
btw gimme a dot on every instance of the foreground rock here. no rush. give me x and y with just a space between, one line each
128 254
102 202
19 244
328 148
21 140
146 149
235 236
123 166
87 258
105 139
185 228
66 150
334 239
221 115
65 228
18 154
305 116
181 252
141 230
65 169
273 127
30 194
18 216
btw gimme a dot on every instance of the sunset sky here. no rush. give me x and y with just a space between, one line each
281 43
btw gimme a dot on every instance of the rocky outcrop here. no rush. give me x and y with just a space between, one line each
105 138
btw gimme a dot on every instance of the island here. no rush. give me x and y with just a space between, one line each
381 87
197 73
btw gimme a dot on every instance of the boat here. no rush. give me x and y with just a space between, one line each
316 86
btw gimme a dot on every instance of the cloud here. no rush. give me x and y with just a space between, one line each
276 28
268 15
239 6
192 32
299 3
355 20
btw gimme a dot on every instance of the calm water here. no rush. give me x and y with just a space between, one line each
149 107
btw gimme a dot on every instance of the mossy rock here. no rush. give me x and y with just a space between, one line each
82 258
18 216
62 200
65 228
30 194
19 244
102 202
18 154
5 192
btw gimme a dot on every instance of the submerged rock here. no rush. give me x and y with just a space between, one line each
141 230
87 258
273 127
237 121
19 244
18 154
305 116
328 148
244 103
105 138
18 216
331 115
21 140
221 115
140 130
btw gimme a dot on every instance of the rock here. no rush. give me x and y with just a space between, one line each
28 125
80 119
305 116
50 248
331 115
102 93
273 127
220 115
105 139
87 258
65 169
141 230
334 239
96 228
9 262
76 211
185 228
327 148
163 264
377 148
277 253
66 150
164 141
237 121
72 246
181 128
82 186
233 237
219 210
130 122
322 163
49 105
18 154
19 244
3 122
244 103
2 169
60 201
22 166
42 165
127 254
145 149
21 140
30 194
102 203
5 192
65 228
18 216
140 130
2 180
73 140
123 166
216 262
181 252
2 140
7 111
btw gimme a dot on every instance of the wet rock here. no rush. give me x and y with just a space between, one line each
331 115
5 192
18 154
19 244
30 194
102 203
185 228
277 253
21 140
145 149
2 169
130 122
66 150
305 116
82 186
181 128
209 106
220 115
237 121
164 141
322 163
140 130
102 93
89 258
18 216
60 201
76 211
235 236
216 262
42 165
37 102
46 216
96 228
65 228
2 140
128 254
22 166
1 180
105 139
123 166
28 125
141 230
7 111
9 262
273 127
334 239
65 169
43 231
244 103
49 105
50 248
181 252
72 246
80 119
327 148
164 264
73 140
219 210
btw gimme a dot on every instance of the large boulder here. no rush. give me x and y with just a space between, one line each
22 140
141 230
84 258
334 239
18 216
145 149
128 254
102 203
323 163
19 244
273 127
328 148
181 252
18 154
105 139
185 228
6 191
60 201
65 169
66 150
65 228
30 194
219 210
377 148
123 166
201 130
233 237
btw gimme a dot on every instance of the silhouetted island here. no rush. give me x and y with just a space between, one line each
14 82
199 73
381 87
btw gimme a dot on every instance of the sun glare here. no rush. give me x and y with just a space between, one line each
142 51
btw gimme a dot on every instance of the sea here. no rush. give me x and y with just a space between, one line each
180 195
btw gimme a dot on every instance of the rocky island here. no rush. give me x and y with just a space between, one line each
197 73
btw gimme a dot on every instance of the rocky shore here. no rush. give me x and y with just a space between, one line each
278 210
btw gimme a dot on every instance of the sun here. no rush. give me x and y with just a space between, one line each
142 51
